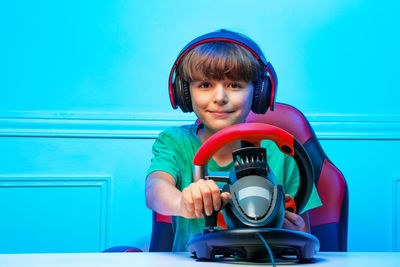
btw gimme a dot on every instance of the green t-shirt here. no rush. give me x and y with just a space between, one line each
174 151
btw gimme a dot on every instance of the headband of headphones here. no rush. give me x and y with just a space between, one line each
228 36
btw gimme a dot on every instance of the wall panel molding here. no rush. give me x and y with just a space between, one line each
101 183
92 125
396 215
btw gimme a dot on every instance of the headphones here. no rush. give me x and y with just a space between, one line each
264 89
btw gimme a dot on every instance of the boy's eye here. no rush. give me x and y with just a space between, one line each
235 86
204 85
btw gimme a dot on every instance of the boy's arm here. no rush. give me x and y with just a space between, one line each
161 194
163 197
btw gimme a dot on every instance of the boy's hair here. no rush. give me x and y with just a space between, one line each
219 60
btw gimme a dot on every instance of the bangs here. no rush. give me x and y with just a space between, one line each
220 60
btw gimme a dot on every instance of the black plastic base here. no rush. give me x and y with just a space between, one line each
246 244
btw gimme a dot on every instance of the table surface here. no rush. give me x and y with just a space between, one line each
322 259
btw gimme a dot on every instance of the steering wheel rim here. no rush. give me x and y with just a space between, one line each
255 132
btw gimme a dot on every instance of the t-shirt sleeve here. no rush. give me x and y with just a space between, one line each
292 178
164 156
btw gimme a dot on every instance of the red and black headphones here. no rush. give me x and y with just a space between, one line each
264 89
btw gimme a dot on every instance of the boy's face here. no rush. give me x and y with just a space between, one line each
221 103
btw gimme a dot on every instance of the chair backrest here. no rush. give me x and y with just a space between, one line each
328 222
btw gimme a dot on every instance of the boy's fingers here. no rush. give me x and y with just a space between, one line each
226 197
294 218
216 194
287 224
207 197
197 200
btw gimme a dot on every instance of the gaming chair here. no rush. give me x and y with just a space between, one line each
328 222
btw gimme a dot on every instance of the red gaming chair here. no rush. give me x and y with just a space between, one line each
328 222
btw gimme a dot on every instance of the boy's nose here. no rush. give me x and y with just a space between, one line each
220 95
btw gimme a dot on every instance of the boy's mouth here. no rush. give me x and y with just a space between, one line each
220 113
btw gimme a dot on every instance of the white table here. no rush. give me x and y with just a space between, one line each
146 259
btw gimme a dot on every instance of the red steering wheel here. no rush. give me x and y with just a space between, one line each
254 133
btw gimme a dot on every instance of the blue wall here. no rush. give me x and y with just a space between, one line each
83 94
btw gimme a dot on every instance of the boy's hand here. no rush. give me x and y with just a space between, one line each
293 221
202 195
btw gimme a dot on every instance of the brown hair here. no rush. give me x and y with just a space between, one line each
219 60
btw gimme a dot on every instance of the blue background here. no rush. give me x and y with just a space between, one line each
83 94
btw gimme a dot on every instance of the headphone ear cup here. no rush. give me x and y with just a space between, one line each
186 96
262 95
181 94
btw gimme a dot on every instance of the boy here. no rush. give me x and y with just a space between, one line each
221 77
